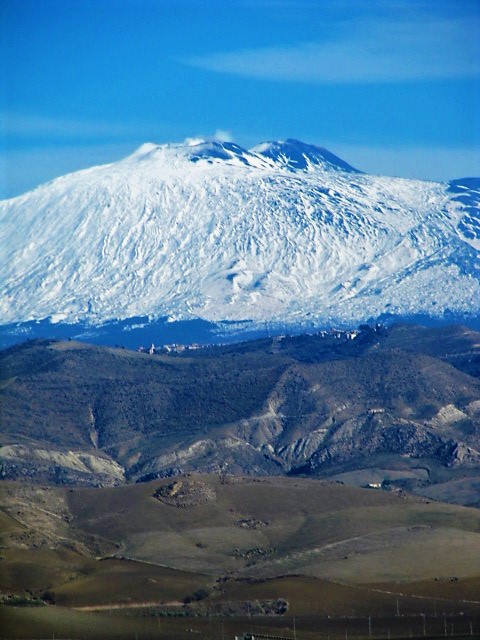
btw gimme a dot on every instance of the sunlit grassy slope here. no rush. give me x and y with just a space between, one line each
117 560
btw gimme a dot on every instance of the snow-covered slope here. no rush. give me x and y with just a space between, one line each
284 232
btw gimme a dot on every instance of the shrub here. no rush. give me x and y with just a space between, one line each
200 594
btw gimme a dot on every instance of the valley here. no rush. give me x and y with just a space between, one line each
306 486
239 553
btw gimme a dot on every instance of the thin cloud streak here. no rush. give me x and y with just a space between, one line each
381 51
25 125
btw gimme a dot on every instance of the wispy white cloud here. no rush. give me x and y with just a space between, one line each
65 131
224 135
220 134
193 140
28 125
390 49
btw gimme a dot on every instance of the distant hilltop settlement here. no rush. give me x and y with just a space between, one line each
169 348
338 334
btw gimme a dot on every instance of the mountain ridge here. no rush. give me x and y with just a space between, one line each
399 404
211 231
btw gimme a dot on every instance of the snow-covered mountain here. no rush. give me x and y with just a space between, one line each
285 232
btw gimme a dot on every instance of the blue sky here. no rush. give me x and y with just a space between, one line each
392 86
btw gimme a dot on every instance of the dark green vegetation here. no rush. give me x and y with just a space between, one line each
207 553
398 406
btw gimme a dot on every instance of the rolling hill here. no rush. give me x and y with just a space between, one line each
204 552
398 406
